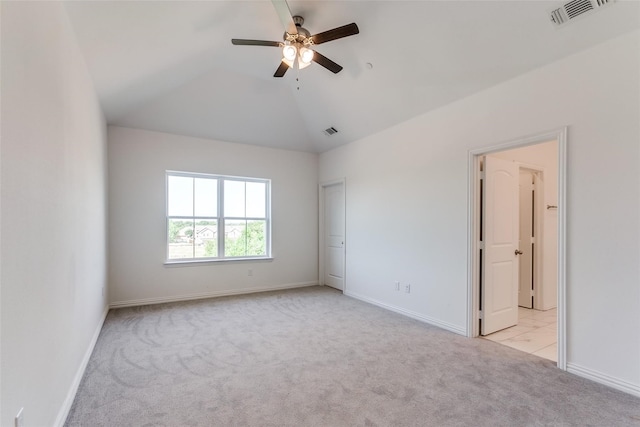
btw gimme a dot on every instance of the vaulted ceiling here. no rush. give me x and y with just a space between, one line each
170 66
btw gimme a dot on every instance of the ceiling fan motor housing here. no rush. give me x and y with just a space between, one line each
303 33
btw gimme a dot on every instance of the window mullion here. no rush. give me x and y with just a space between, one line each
193 214
246 221
221 224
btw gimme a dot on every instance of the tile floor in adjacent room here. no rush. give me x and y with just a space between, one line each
535 333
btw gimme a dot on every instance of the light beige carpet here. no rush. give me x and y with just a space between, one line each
313 357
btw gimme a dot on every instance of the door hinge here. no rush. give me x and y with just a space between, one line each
480 245
481 315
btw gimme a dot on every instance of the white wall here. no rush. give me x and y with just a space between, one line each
407 201
53 213
138 160
545 156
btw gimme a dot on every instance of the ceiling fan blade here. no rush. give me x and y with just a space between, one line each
326 63
284 13
336 33
244 42
281 69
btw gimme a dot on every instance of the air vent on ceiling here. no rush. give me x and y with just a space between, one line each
330 131
575 8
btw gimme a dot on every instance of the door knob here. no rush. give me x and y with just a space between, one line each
518 252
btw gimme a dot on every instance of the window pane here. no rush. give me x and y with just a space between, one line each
180 196
196 224
256 200
234 199
180 237
256 238
206 197
235 238
206 238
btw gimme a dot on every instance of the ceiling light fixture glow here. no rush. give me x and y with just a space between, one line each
306 56
289 52
296 53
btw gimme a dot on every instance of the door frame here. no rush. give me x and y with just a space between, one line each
321 230
473 231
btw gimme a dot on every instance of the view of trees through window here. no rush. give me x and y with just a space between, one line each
194 223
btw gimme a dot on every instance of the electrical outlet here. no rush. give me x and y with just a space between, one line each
407 288
250 272
397 284
19 422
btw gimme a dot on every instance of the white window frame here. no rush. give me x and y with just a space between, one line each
220 218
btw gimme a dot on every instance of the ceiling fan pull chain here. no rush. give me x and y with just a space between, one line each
297 77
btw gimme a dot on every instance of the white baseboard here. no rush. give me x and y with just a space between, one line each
435 322
203 295
608 380
71 395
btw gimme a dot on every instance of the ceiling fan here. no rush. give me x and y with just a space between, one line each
297 45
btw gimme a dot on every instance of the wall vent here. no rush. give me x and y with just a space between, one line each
575 8
330 131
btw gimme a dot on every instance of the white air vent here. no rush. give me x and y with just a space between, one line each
330 131
575 8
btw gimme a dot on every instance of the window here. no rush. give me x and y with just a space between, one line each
217 217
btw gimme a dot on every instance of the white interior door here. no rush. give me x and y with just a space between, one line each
334 219
500 233
526 246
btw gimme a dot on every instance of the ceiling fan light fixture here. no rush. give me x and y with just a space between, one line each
289 52
306 56
298 41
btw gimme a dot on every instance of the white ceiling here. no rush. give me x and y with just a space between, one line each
170 66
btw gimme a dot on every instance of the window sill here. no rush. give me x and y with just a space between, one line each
193 262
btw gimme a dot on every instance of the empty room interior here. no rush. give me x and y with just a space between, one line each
320 213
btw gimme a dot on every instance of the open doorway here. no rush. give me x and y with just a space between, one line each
533 177
516 283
